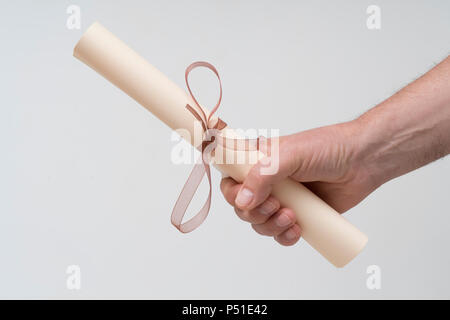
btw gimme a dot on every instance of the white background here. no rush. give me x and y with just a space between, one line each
86 176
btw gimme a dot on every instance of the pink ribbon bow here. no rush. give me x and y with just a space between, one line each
202 167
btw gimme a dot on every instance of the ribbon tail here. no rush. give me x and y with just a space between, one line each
185 198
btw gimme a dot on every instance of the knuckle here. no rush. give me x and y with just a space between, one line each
243 215
272 204
225 185
255 176
256 217
260 229
289 237
285 243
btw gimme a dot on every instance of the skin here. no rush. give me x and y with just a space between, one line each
345 162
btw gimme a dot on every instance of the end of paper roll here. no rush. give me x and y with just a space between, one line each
95 25
363 244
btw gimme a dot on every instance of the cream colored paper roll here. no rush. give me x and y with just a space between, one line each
322 227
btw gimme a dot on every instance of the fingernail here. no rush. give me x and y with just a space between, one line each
244 197
283 220
267 208
290 234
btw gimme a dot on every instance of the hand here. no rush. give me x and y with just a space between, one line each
325 159
344 163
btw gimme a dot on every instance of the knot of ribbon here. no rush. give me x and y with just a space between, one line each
201 167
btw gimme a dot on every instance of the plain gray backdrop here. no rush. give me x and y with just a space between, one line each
86 176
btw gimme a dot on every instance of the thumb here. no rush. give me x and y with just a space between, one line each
258 184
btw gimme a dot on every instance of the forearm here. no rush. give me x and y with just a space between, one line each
408 130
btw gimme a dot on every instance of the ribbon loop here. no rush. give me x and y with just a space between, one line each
205 120
202 166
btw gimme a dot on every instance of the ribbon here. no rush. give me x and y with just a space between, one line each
202 167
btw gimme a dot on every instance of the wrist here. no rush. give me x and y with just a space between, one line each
367 145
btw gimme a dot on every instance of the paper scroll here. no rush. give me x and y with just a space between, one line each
322 227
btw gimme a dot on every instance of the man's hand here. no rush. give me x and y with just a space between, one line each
326 160
344 163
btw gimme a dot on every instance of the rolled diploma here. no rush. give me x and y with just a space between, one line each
322 227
